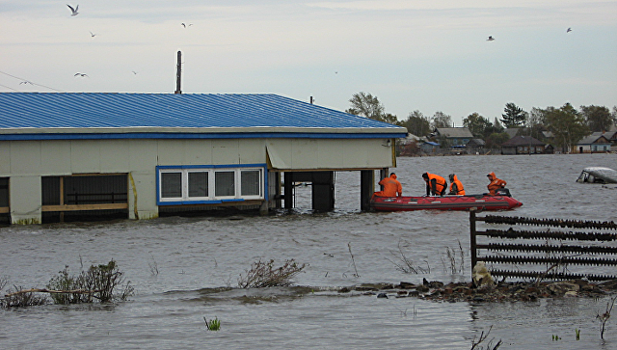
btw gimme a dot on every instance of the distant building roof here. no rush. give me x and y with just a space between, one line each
455 132
476 142
547 134
522 141
591 139
131 115
609 135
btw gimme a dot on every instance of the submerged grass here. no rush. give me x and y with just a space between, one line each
213 325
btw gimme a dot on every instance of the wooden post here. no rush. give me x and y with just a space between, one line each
367 188
472 237
61 197
288 191
179 73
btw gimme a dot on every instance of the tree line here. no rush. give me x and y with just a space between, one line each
567 124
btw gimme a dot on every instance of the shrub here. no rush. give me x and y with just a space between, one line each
264 274
98 282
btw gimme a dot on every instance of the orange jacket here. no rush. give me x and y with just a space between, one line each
495 184
436 185
456 187
391 187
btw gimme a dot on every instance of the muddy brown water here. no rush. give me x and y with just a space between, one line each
185 269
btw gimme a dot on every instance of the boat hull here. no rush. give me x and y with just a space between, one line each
476 202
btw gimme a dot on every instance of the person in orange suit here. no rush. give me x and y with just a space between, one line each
391 187
494 184
435 184
456 186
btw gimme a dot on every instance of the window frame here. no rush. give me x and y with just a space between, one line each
211 171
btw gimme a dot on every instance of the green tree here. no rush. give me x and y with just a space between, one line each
391 118
497 127
479 126
598 118
495 140
441 120
513 116
567 124
535 122
366 105
417 124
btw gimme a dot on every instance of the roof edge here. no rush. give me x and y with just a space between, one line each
205 130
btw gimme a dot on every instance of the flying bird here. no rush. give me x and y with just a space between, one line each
490 38
92 34
569 30
80 74
73 10
25 83
134 72
184 25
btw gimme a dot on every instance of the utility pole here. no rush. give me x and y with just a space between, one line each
178 73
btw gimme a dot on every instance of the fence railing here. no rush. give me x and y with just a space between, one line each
556 250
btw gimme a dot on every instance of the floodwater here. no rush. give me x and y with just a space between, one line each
185 269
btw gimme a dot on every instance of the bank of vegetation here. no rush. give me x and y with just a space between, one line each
561 127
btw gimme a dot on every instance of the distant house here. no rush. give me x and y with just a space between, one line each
429 147
475 146
458 138
594 143
522 145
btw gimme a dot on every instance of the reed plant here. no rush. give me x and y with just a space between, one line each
406 265
606 315
213 325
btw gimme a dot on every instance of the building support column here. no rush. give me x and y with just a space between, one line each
367 188
288 190
323 190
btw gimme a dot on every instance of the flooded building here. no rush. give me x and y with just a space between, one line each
142 155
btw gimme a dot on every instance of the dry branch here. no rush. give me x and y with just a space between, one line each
44 290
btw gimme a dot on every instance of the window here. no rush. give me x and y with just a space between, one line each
209 184
250 183
198 184
171 185
224 183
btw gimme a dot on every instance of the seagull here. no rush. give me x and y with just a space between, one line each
184 25
80 74
569 30
25 83
134 72
73 10
490 38
92 34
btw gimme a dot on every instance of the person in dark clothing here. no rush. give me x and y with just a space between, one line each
435 184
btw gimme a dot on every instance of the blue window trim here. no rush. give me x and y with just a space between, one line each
218 201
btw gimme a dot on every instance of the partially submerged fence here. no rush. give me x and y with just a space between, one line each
562 250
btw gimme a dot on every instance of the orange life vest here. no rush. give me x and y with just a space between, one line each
440 183
460 191
495 184
391 187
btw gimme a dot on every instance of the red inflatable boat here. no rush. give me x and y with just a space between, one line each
477 202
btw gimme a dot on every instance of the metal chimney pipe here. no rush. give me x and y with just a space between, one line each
178 73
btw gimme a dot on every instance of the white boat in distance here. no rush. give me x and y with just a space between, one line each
598 175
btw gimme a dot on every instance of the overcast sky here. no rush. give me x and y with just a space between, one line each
426 55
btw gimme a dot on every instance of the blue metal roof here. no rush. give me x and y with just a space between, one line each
29 113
